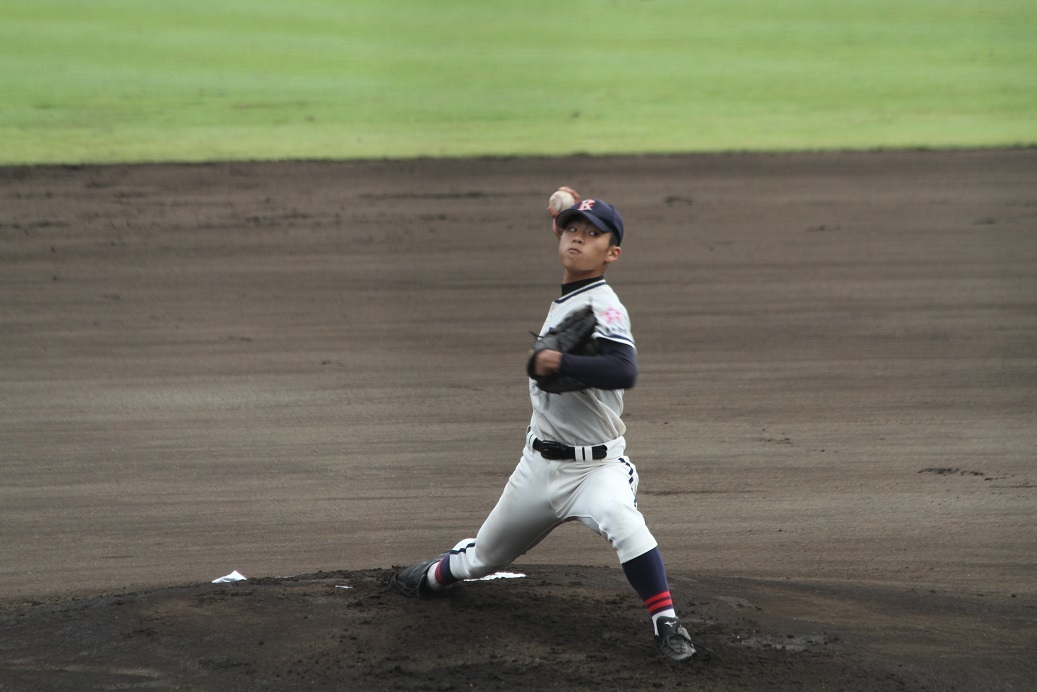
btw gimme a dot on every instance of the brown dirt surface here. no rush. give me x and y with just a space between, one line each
313 372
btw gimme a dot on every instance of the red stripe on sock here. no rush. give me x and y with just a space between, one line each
657 597
439 573
658 602
443 574
665 605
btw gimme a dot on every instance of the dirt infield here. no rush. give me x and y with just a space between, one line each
312 372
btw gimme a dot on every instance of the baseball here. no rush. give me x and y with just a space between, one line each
560 199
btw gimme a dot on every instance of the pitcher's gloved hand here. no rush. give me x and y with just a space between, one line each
573 335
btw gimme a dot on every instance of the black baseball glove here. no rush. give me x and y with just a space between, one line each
575 335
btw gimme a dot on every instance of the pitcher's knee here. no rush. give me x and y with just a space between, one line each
627 533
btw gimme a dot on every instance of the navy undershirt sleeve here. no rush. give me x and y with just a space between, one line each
614 368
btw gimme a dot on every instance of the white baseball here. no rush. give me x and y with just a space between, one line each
560 199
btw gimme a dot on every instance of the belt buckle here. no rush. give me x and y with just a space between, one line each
553 450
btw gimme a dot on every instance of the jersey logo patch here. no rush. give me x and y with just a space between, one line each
611 316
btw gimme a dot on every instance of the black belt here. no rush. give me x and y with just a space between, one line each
555 451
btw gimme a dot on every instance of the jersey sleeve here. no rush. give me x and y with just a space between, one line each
614 325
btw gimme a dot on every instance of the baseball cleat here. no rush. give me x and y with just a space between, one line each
673 640
412 581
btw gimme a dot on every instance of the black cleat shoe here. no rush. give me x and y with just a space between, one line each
673 640
412 581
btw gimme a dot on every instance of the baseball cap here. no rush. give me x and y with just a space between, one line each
601 214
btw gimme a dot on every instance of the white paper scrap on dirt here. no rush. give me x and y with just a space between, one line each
500 575
233 576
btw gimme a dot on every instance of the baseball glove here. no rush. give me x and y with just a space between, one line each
572 335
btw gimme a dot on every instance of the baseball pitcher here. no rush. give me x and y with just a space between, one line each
574 464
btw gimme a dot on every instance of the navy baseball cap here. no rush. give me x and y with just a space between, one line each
601 214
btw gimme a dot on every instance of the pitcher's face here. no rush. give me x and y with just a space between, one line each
585 250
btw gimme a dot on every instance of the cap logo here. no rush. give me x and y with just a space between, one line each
586 205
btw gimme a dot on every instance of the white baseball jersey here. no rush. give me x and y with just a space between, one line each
592 416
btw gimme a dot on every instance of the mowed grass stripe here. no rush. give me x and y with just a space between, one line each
116 80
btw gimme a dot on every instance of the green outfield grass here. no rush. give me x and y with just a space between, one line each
127 80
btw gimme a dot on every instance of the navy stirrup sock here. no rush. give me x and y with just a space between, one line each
439 575
647 575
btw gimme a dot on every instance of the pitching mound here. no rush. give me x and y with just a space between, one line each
555 628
